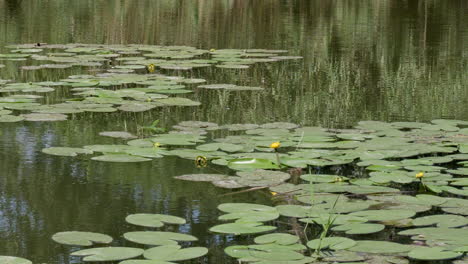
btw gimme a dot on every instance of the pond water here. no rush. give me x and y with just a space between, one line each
362 60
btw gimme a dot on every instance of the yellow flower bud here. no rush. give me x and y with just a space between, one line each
212 50
156 144
420 175
275 145
151 68
273 193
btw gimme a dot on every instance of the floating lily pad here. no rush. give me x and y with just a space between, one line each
251 164
108 253
433 253
10 118
379 247
77 238
201 177
277 238
174 253
384 215
153 220
44 117
119 158
242 228
445 220
157 238
359 228
64 151
14 260
333 243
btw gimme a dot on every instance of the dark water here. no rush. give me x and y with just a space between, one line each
363 60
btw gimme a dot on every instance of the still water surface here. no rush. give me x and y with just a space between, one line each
389 60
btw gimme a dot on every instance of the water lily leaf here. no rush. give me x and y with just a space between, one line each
64 151
10 118
251 216
441 220
338 219
117 134
201 177
176 101
242 228
119 158
452 236
145 261
174 253
220 146
157 238
262 177
322 178
228 183
245 207
77 238
251 164
333 243
384 215
14 260
44 117
433 253
153 220
277 238
108 253
269 252
343 256
359 228
379 247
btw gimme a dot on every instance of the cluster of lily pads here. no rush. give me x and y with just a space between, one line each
130 83
383 190
164 246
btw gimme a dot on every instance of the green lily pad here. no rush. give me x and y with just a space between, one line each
153 220
119 158
10 118
333 243
242 228
379 247
359 228
445 220
157 238
251 164
433 253
262 177
117 134
77 238
277 238
174 253
64 151
108 253
201 177
145 261
14 260
384 215
44 117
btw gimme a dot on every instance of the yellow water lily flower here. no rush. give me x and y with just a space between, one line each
156 145
151 68
338 179
275 145
420 175
274 193
212 50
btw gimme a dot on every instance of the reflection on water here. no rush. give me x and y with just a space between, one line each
381 60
